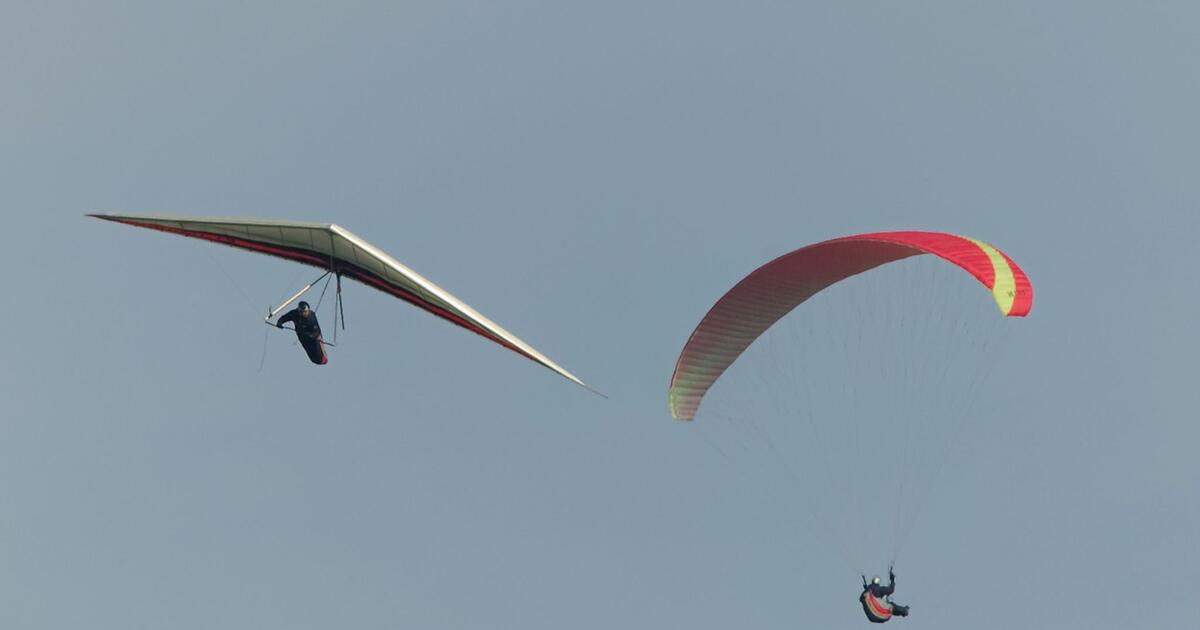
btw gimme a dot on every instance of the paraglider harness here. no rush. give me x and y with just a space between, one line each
877 609
875 602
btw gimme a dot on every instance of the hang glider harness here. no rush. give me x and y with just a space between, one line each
338 308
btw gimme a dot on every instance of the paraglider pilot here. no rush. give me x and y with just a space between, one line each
308 331
876 599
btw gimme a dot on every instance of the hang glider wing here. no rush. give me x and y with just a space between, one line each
333 247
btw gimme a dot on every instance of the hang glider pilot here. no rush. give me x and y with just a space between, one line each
308 332
876 599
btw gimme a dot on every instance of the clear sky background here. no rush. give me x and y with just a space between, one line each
592 176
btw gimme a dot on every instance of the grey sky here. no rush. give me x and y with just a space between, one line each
592 177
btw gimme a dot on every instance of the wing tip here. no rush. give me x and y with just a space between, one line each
673 407
594 390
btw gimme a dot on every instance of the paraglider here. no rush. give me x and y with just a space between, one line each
877 379
339 253
877 601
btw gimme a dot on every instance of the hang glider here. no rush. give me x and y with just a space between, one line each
338 251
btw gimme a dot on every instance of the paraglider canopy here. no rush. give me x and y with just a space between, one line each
336 249
773 290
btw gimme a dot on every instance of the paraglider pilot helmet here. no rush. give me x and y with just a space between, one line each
302 307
